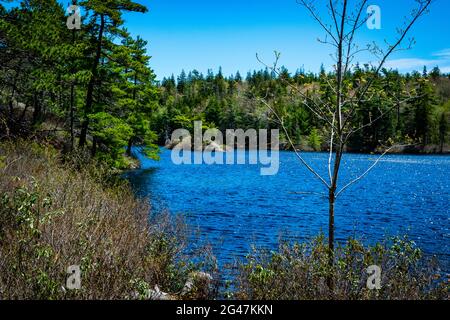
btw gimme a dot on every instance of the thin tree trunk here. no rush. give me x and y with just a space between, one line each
37 109
72 101
94 147
90 91
330 279
72 98
11 99
337 163
24 112
130 145
332 200
11 102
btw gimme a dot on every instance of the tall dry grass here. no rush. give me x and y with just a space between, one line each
55 215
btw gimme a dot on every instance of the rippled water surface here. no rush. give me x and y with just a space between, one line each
234 206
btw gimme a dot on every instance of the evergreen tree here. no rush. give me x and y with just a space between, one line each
105 19
423 106
181 82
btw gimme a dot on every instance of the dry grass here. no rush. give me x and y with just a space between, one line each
52 217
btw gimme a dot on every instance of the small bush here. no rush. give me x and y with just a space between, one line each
301 271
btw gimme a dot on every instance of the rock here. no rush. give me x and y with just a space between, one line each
198 282
212 145
157 294
185 143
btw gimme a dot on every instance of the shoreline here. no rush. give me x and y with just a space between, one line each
396 151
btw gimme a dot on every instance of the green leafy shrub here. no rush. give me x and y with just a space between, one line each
300 272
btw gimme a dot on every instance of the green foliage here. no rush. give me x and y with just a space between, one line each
299 272
26 213
69 80
113 131
230 104
75 81
423 107
315 140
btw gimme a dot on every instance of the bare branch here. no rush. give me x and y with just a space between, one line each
351 36
317 110
333 13
309 5
424 4
293 146
365 173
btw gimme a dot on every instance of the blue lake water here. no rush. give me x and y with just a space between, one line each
233 206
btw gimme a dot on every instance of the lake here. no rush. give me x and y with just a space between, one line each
233 206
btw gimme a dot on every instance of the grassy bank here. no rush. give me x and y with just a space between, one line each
56 215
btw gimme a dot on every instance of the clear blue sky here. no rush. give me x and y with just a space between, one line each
203 34
206 34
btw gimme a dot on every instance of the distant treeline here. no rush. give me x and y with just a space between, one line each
422 117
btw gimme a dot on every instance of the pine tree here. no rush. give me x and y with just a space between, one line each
181 82
105 19
238 77
423 106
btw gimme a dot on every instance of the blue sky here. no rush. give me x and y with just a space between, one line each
206 34
203 34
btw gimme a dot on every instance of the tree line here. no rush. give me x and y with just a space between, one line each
231 102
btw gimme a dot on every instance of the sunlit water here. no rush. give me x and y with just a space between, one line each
233 206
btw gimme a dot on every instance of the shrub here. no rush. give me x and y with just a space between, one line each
53 217
300 271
